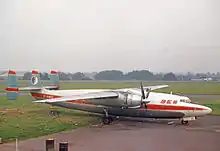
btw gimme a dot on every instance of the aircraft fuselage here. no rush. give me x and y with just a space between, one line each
155 109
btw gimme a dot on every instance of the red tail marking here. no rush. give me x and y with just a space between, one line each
11 72
12 89
53 72
34 72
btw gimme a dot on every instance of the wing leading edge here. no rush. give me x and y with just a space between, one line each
98 95
156 87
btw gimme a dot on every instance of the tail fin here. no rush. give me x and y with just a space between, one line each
54 79
12 89
35 79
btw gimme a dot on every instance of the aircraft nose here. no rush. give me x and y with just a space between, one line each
208 110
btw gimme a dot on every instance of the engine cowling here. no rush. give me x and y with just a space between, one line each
129 100
124 100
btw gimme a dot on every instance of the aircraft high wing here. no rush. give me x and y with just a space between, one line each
155 87
123 98
98 95
105 94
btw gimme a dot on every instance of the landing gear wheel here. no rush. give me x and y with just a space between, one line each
184 122
54 113
107 120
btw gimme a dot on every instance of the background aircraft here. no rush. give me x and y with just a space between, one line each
130 102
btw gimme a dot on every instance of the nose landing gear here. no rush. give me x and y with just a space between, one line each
184 122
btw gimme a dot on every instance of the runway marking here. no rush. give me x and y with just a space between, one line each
218 131
194 128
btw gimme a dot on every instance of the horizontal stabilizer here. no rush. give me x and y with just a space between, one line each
29 88
36 88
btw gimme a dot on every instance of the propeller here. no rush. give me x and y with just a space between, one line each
143 94
142 91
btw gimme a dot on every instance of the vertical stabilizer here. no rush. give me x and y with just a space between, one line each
54 78
12 89
35 79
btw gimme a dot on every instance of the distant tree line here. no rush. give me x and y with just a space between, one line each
133 75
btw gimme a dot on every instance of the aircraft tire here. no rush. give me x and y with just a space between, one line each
184 122
107 120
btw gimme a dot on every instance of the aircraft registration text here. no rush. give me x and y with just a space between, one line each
168 101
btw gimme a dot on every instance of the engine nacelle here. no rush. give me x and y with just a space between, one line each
124 100
129 100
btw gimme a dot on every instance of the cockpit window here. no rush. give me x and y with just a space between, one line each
182 100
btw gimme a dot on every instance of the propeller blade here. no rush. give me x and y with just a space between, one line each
148 92
142 91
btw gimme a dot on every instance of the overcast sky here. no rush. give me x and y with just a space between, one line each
94 35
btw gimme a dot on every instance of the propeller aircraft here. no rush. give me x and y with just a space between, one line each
129 102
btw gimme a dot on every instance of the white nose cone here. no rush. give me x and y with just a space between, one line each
206 110
209 110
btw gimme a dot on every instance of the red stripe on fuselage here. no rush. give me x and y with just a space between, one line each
171 107
49 96
44 96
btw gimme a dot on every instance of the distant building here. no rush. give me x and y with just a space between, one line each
4 75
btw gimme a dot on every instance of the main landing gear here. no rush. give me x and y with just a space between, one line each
107 119
54 113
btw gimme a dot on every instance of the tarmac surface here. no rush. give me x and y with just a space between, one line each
132 135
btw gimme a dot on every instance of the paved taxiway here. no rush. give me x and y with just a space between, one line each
200 135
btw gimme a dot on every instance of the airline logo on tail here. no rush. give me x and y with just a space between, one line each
34 80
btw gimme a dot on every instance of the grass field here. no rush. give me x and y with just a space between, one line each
212 88
214 104
24 119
